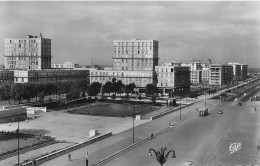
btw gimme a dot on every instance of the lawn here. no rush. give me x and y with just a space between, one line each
115 110
9 140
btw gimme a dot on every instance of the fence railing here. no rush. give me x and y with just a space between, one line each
61 152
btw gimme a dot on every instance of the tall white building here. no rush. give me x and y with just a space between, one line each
31 53
135 55
134 62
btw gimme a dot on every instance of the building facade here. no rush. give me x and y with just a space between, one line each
195 76
6 77
135 55
174 78
140 78
51 75
220 74
31 53
244 69
66 65
205 74
237 71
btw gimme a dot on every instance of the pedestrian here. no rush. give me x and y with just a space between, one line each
34 162
69 157
255 108
152 136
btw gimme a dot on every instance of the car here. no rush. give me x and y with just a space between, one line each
220 112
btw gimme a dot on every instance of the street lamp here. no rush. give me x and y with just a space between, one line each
133 125
180 102
205 97
160 156
17 131
86 158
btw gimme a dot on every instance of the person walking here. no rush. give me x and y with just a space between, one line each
255 108
69 157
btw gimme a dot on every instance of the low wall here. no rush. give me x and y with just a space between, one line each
61 152
169 111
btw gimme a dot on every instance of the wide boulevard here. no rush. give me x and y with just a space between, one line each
201 140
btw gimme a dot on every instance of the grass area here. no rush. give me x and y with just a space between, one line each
115 110
27 138
9 142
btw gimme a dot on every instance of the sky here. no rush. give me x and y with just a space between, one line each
221 31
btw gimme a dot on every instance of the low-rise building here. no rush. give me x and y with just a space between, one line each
51 75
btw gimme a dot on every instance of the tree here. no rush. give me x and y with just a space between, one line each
83 86
6 93
130 88
119 87
28 91
49 89
74 93
151 89
17 92
94 88
107 88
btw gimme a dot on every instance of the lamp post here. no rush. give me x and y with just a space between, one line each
86 158
133 125
205 97
162 156
180 102
18 139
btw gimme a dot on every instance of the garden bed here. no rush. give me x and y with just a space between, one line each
114 110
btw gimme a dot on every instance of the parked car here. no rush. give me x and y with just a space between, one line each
220 112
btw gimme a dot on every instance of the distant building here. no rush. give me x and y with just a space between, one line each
237 72
31 53
196 76
244 69
205 74
220 74
66 65
194 65
173 78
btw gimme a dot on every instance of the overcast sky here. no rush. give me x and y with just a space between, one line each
221 31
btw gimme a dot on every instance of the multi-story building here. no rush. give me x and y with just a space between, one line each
205 73
134 62
31 53
135 55
220 74
194 65
195 76
6 77
236 71
140 78
50 75
244 69
173 78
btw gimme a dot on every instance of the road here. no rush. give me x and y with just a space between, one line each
206 140
203 140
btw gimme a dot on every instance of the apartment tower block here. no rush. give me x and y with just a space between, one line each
31 53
